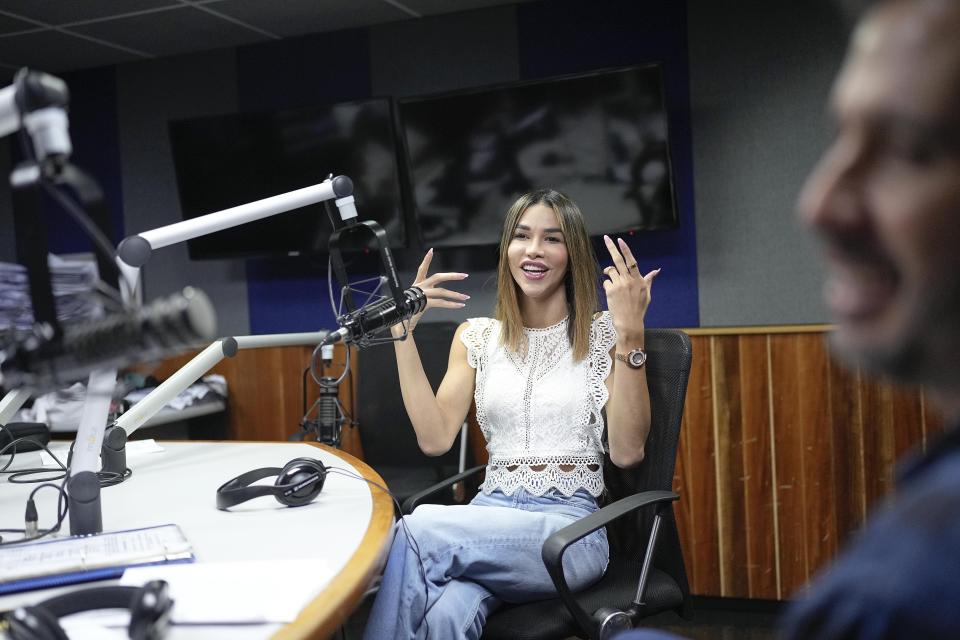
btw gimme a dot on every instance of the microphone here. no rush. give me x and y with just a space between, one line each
366 322
164 328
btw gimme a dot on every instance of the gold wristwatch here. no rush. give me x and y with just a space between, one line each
633 359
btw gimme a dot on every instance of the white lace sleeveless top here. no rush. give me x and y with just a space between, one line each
539 410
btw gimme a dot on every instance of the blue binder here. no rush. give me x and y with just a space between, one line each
62 561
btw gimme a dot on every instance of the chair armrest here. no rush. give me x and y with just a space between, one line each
557 543
414 501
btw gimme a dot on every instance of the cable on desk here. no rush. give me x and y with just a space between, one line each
17 474
106 479
61 515
406 531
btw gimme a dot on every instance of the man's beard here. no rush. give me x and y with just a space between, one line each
926 354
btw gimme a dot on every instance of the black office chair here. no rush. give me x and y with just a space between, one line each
646 574
388 439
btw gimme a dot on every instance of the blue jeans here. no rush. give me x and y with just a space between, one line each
475 557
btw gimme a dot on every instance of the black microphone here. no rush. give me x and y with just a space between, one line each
165 327
366 322
329 416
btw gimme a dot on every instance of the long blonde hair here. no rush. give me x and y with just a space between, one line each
580 280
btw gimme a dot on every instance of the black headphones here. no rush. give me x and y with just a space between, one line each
149 611
297 483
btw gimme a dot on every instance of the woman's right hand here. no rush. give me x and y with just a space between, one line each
437 296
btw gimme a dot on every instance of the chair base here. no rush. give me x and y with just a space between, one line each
550 619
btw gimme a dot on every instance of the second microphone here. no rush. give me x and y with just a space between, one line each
373 319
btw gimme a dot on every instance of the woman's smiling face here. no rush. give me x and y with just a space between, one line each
538 253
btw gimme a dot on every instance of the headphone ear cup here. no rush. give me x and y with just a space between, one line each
300 481
610 621
150 611
35 623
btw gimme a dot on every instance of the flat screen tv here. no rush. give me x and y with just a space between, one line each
601 138
227 160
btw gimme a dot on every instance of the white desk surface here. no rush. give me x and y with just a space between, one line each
347 525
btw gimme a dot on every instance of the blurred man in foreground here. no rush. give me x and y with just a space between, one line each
885 201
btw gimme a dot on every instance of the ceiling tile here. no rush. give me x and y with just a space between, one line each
299 17
434 7
10 25
65 11
172 32
54 51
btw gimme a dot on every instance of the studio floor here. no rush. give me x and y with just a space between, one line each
713 619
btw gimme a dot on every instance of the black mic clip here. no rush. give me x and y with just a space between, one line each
350 316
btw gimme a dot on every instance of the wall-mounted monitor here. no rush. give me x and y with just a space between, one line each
601 138
227 160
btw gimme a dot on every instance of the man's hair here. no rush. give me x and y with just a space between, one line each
580 280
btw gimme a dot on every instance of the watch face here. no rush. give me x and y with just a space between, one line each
637 358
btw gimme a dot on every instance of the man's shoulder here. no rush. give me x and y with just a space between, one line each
901 572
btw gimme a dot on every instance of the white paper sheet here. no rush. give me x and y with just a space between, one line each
134 448
237 592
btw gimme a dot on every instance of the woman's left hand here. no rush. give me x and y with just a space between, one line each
628 293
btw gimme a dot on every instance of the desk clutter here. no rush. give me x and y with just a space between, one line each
72 281
61 409
257 565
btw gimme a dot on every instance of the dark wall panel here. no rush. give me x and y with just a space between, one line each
95 135
282 295
562 37
152 93
314 69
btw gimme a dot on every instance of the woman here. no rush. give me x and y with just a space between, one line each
541 372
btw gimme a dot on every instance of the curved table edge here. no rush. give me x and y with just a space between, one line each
331 607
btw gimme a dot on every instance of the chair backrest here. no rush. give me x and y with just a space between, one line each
669 354
385 430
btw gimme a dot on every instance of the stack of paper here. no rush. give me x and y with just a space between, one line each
73 281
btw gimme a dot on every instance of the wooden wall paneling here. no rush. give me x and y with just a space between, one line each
933 423
848 455
727 426
819 486
697 486
265 396
788 461
878 440
760 518
907 418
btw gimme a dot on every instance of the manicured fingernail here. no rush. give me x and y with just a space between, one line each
461 304
465 275
466 297
606 238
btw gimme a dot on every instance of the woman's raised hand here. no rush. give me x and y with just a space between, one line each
628 292
437 296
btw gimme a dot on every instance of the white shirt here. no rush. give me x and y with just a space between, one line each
539 410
